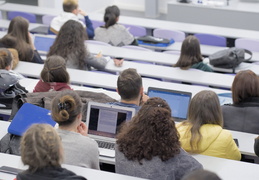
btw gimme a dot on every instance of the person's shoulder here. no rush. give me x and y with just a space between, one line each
119 26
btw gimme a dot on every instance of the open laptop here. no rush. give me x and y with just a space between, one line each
178 101
43 42
103 121
27 115
225 98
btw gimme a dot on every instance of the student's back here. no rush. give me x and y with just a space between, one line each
202 133
113 33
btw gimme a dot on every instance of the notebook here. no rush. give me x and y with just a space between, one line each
103 122
43 42
178 101
27 115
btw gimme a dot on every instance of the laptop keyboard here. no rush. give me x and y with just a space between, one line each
105 145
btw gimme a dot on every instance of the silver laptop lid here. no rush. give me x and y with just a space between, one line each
43 42
104 120
177 100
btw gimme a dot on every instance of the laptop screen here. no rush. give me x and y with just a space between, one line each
177 100
43 43
105 119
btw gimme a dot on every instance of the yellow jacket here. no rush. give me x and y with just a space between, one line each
215 141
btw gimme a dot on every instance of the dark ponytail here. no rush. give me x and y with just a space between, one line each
111 15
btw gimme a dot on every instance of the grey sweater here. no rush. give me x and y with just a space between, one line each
173 169
79 150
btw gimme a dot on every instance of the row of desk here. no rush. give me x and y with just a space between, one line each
108 81
226 169
144 22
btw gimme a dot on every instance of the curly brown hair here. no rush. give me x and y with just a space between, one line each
150 133
71 40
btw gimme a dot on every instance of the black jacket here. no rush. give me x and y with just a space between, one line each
243 116
50 173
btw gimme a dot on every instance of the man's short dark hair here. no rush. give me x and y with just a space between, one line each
129 84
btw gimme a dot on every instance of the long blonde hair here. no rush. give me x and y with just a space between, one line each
204 109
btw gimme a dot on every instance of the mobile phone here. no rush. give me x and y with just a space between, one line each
10 170
236 141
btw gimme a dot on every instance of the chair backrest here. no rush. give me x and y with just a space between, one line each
97 24
136 31
136 48
46 19
249 44
30 17
212 40
176 35
97 42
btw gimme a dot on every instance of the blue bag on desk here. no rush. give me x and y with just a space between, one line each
154 41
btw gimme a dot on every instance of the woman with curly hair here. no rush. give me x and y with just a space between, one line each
202 132
41 150
18 37
148 146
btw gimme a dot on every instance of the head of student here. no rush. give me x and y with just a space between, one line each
66 109
129 85
18 28
150 133
111 15
70 39
54 70
18 38
6 59
41 147
245 86
203 109
190 53
70 6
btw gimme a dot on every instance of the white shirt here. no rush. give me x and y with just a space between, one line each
58 21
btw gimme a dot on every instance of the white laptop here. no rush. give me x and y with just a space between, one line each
43 42
103 122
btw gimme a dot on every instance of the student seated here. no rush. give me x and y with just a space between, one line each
6 65
112 32
202 132
54 75
148 146
19 38
129 87
42 152
243 114
190 56
79 149
70 44
71 11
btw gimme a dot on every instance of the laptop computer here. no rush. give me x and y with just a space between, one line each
225 98
43 42
177 100
27 115
104 121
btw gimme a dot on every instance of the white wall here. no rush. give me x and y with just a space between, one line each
87 5
139 5
100 5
